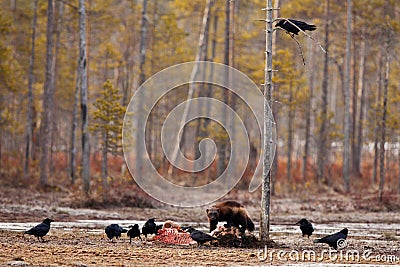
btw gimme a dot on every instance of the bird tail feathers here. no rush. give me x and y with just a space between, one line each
310 28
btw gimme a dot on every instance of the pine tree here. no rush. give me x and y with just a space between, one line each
108 124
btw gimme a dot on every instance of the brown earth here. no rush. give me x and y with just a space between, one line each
83 247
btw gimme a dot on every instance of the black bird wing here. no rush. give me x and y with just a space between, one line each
331 240
39 230
288 26
110 231
201 237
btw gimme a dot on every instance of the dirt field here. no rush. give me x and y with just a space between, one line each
374 235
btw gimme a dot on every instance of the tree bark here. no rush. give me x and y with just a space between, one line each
200 51
290 135
308 113
323 135
104 166
140 148
266 185
29 123
361 94
377 124
84 97
384 115
223 146
346 148
48 100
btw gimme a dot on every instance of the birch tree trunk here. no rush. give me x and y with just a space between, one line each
308 113
104 165
74 125
322 146
139 134
346 145
361 94
200 51
377 124
48 99
84 97
384 115
29 123
222 149
266 185
290 135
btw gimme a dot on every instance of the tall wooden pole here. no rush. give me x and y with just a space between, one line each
266 186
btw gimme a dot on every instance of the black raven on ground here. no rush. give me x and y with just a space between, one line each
334 239
114 230
289 27
41 229
133 232
149 227
199 236
306 227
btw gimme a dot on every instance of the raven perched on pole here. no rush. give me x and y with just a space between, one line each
289 26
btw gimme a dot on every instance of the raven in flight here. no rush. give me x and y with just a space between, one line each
289 27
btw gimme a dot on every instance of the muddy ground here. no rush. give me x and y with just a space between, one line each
374 233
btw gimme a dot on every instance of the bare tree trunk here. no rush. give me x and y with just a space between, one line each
72 163
308 114
346 145
377 126
398 164
139 134
266 185
222 148
84 97
290 135
232 156
48 99
384 115
275 111
29 123
200 51
104 166
323 134
200 132
361 94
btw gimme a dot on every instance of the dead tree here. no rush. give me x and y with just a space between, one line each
84 97
29 123
48 99
266 185
346 144
384 114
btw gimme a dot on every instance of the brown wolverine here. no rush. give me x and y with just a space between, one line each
231 212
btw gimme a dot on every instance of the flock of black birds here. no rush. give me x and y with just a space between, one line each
150 227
